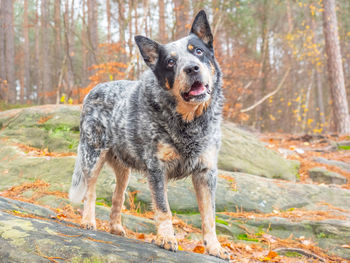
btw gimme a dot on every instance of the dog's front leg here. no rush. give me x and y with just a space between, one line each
165 233
205 186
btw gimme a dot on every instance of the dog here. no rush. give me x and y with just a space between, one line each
166 125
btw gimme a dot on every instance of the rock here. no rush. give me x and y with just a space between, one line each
56 128
243 152
329 234
322 175
341 165
342 145
251 193
35 240
52 127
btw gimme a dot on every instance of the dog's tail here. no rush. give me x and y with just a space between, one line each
79 185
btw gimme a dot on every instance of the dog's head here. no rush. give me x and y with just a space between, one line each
186 67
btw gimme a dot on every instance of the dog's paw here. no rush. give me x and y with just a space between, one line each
118 230
167 242
216 250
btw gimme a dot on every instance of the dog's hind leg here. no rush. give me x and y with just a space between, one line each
205 186
87 168
122 179
165 232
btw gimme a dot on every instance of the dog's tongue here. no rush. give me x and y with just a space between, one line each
197 88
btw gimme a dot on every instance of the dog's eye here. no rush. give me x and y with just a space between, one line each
171 62
199 51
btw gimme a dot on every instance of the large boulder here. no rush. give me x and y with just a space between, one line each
56 128
251 193
25 239
241 151
322 175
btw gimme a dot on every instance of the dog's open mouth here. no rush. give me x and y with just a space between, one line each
198 89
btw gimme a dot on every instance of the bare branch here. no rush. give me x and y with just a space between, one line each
270 94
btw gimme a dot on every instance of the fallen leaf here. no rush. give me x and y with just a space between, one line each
199 249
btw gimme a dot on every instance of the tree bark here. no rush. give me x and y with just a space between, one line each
162 34
2 54
335 68
9 50
69 43
182 18
38 55
26 50
92 32
57 44
108 12
47 97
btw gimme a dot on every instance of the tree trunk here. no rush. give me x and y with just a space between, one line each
57 44
335 69
261 112
26 64
38 56
2 54
46 72
108 12
320 117
92 33
84 44
69 43
162 34
182 18
9 49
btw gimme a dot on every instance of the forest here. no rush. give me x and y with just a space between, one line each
273 54
282 174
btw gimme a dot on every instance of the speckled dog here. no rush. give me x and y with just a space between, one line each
166 125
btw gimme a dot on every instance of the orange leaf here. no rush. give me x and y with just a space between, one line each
272 254
141 236
199 249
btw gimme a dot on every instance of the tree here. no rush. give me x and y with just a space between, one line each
162 34
7 10
182 19
92 32
45 61
26 63
2 54
335 68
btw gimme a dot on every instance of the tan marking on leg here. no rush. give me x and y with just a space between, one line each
205 205
89 220
122 178
166 152
165 232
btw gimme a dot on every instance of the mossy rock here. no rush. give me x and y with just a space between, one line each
56 128
241 151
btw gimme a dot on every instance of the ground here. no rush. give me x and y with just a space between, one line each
268 208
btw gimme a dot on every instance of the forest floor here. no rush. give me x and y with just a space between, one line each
253 247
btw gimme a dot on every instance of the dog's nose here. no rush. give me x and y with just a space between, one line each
192 69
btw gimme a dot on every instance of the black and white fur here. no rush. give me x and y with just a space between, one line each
166 125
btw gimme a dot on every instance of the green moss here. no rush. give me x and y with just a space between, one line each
344 147
292 254
221 221
321 235
246 238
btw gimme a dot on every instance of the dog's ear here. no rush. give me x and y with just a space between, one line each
201 28
149 50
